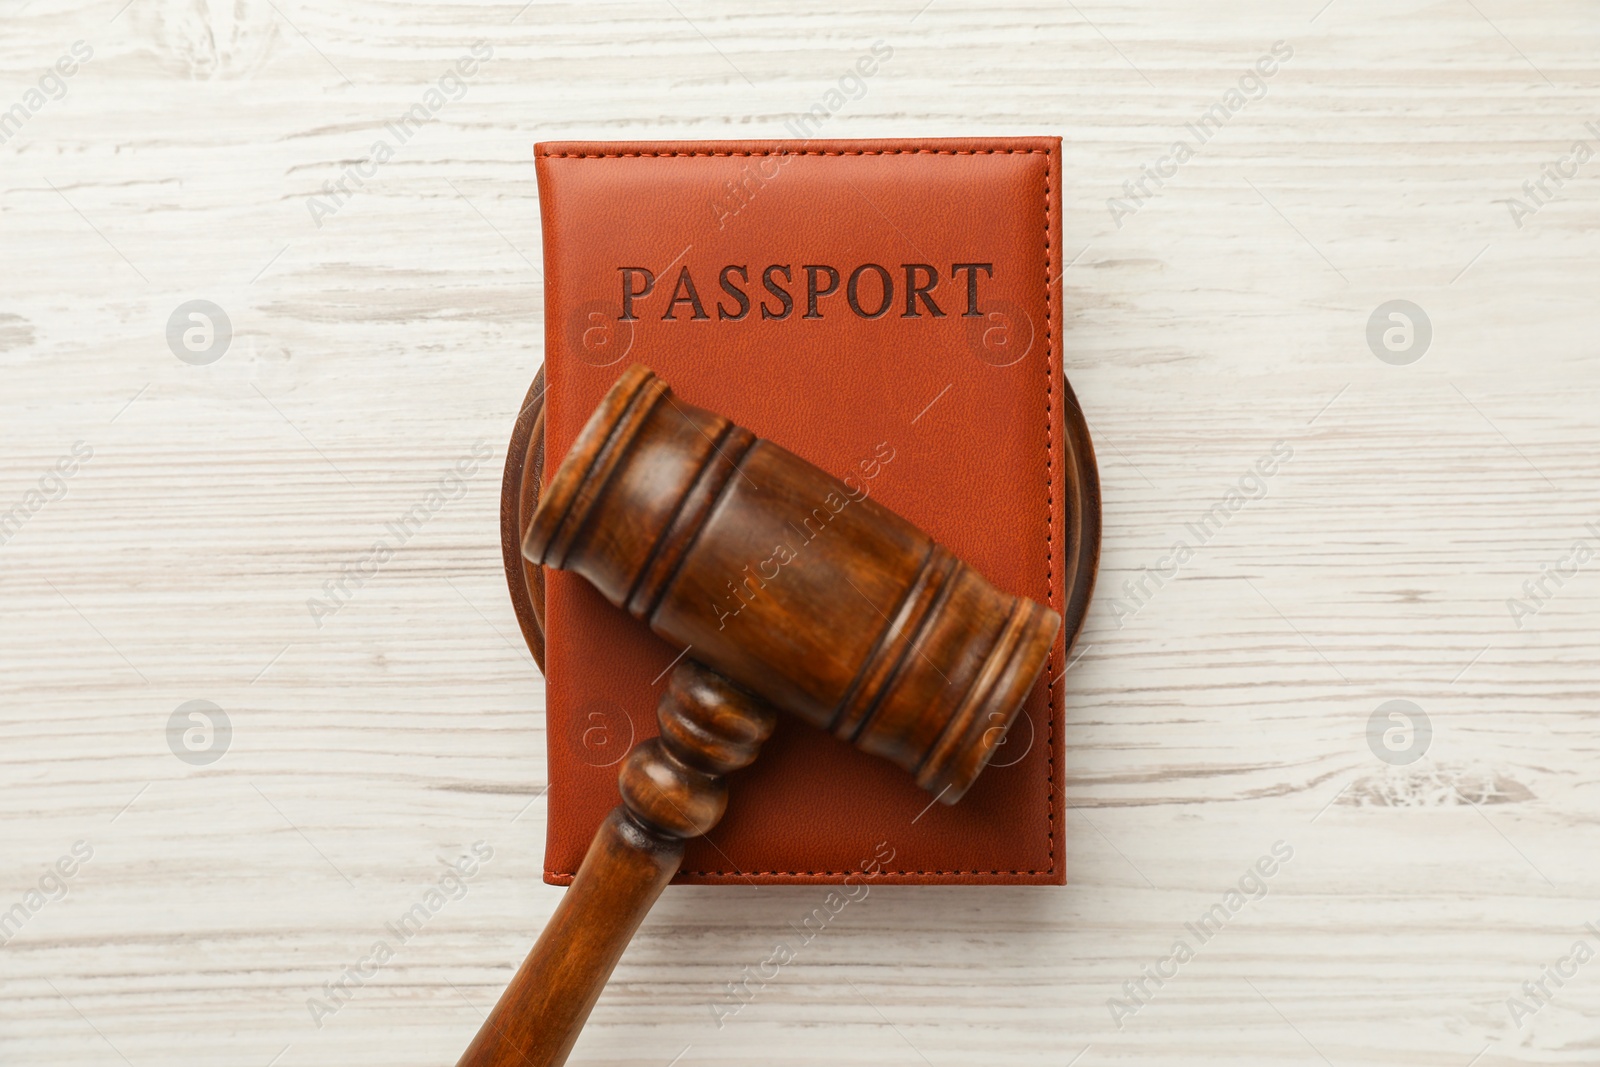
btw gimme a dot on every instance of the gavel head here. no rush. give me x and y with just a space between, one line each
793 584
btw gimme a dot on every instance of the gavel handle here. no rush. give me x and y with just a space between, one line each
538 1018
673 788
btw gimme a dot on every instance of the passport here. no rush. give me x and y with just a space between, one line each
891 311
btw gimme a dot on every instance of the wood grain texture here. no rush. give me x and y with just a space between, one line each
1228 712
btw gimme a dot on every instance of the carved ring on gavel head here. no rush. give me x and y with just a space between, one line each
868 629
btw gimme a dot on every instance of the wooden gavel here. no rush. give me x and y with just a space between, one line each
792 590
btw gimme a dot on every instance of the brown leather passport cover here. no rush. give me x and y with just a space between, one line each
881 308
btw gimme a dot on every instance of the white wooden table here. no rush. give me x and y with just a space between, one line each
375 345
